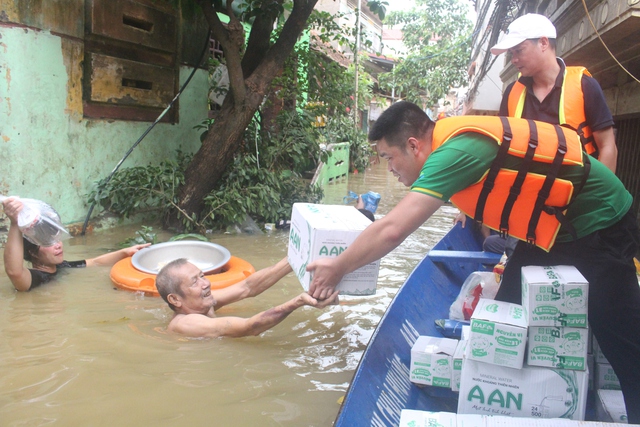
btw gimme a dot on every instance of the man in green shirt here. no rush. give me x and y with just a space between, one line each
607 232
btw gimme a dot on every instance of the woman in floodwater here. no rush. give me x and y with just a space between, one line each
45 261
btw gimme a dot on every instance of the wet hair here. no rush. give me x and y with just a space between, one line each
400 122
30 250
168 282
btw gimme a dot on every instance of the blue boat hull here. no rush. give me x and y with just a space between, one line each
380 388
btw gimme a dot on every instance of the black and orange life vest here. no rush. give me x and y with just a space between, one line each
519 203
570 110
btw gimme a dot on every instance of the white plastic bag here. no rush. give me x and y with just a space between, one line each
479 284
40 223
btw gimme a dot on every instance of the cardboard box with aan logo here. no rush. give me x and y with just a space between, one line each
531 392
319 231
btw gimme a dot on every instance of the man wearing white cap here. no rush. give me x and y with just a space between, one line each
549 91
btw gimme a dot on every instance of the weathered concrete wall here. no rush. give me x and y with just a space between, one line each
48 150
58 16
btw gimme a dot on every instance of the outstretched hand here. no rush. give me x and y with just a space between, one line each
309 300
133 249
325 278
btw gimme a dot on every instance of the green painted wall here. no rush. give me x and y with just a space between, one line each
48 151
337 166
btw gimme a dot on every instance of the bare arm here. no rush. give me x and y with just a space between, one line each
377 240
607 149
19 275
115 256
253 285
198 325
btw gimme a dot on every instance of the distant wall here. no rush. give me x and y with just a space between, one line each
48 149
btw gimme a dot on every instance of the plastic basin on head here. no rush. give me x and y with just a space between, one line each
206 256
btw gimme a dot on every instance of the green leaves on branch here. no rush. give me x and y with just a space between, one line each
144 235
437 34
341 129
263 184
140 189
378 7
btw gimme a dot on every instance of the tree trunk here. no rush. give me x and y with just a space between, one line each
211 160
246 92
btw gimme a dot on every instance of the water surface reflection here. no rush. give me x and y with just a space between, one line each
79 352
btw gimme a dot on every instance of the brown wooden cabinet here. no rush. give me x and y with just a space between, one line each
130 66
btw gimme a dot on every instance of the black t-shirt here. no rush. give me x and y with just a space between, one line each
597 113
40 277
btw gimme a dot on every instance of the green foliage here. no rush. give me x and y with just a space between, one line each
141 188
378 7
328 89
147 235
144 235
189 236
341 129
264 179
264 183
438 38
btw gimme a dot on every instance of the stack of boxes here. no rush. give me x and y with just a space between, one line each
553 319
494 378
555 300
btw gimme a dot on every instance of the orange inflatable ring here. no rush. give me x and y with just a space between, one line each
125 276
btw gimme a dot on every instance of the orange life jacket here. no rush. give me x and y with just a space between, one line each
519 203
570 110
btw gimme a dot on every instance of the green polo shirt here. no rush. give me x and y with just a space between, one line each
464 159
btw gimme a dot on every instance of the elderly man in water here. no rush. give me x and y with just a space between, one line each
188 292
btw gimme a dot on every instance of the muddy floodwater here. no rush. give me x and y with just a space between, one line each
77 352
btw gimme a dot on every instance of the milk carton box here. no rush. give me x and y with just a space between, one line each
606 378
498 334
456 371
319 231
610 406
558 347
413 418
555 296
431 361
528 392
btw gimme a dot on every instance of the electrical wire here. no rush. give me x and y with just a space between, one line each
115 169
604 44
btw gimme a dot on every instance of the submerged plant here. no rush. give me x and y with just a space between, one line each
144 235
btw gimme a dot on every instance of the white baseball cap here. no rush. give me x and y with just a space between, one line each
529 26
